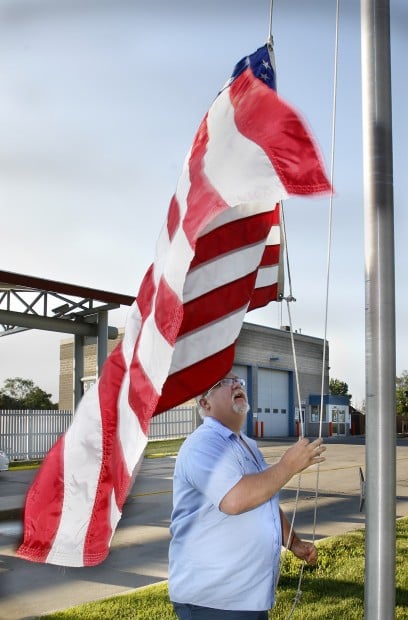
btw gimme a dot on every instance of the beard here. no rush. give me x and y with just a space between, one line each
240 408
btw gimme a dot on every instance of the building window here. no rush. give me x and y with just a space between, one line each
315 413
87 382
297 417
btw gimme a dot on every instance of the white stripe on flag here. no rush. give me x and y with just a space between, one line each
177 262
222 270
152 340
274 236
238 168
267 276
132 438
240 212
183 186
132 328
115 515
213 337
82 460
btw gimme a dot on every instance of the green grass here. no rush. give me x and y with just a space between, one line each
24 464
154 450
166 447
332 590
335 587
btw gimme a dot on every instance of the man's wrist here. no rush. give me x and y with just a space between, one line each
292 540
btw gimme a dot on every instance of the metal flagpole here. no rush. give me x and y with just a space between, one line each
380 311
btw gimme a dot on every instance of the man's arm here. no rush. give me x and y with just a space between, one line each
300 548
256 489
286 527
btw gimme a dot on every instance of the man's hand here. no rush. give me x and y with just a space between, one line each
304 551
303 454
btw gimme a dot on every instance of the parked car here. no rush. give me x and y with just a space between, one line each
4 461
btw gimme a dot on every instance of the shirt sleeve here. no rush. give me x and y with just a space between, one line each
213 468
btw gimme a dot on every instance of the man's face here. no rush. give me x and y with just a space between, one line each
228 395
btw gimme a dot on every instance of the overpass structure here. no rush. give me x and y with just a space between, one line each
28 302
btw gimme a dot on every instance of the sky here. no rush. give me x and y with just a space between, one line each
99 104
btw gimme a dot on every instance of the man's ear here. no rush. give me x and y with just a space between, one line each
203 402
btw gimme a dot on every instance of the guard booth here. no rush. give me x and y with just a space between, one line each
336 419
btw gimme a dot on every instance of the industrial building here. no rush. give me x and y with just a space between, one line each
264 358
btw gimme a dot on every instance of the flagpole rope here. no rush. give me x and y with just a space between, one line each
330 223
270 36
329 243
290 298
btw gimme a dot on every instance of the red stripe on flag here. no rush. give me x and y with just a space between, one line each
114 477
204 202
145 295
271 255
47 490
265 119
217 303
168 316
113 474
173 217
143 396
262 296
177 387
232 236
168 312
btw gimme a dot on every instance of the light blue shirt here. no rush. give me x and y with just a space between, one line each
218 560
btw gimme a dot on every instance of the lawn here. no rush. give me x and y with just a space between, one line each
154 449
333 589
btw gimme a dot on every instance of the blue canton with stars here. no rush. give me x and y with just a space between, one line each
261 67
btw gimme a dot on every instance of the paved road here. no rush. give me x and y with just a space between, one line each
139 551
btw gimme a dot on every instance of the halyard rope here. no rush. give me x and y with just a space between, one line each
290 298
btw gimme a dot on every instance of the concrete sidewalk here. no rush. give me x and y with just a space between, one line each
139 549
344 458
335 487
15 483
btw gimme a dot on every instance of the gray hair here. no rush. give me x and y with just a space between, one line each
200 409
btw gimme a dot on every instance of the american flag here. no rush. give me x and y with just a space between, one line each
217 257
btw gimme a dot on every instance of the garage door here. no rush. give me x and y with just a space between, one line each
273 402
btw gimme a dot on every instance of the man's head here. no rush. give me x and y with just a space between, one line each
226 400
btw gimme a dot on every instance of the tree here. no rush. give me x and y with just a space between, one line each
339 388
401 394
21 393
6 402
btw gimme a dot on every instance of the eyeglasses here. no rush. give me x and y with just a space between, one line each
227 381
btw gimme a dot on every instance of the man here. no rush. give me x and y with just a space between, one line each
227 528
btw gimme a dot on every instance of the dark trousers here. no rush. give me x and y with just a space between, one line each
195 612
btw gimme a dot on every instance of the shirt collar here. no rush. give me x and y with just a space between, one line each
218 426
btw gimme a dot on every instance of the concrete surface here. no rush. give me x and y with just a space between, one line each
139 550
